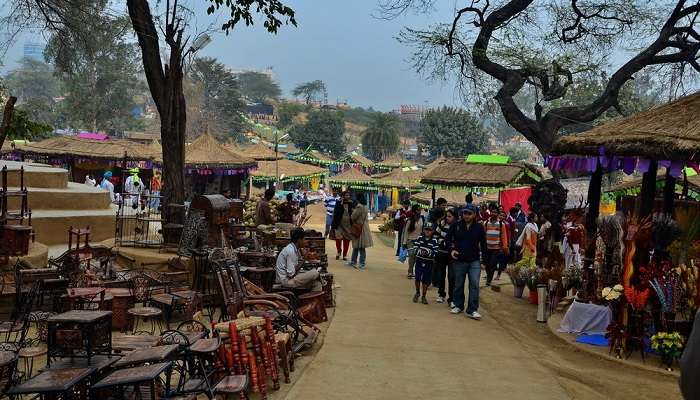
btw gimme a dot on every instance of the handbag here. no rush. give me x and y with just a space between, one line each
403 254
356 230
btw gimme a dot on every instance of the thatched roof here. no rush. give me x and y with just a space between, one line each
109 149
257 151
435 163
636 183
313 156
667 132
403 178
394 161
355 158
454 198
206 151
289 171
456 172
351 177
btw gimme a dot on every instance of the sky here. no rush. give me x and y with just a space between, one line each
340 42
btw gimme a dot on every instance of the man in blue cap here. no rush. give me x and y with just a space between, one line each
108 186
466 241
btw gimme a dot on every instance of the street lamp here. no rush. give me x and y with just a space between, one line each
277 161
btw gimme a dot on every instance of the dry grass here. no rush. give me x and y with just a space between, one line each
457 172
205 150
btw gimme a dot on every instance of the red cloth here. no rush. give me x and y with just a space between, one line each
508 197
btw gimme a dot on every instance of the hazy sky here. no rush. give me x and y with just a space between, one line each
339 42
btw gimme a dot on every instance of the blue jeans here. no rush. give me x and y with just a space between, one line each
363 256
462 270
329 222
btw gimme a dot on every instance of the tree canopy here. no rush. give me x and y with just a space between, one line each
381 138
258 87
324 131
310 91
452 132
286 112
507 47
220 107
38 92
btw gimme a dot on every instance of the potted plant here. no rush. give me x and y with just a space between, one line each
669 345
515 274
531 276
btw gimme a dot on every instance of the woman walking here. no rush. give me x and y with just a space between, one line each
342 225
362 238
411 232
442 260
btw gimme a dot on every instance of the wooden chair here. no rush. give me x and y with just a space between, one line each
141 288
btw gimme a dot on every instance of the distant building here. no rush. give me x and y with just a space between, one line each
267 71
34 51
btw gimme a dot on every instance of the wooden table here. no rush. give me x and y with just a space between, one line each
99 362
77 330
123 299
53 382
147 355
6 357
135 376
133 342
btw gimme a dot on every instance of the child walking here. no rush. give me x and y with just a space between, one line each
426 247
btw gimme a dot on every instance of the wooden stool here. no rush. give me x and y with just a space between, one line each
312 307
329 300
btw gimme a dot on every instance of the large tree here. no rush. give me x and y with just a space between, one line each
381 138
452 132
506 47
258 87
38 92
286 112
324 131
164 68
102 76
310 91
220 105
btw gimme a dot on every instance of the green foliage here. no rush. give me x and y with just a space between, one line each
219 99
22 127
324 131
273 12
381 138
359 115
99 65
286 113
258 87
516 153
36 87
310 91
452 132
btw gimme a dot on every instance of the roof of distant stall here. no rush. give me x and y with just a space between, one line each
454 199
354 157
352 177
289 171
668 132
636 183
314 156
106 149
257 151
459 172
405 177
394 161
206 152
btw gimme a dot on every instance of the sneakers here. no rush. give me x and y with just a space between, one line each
474 315
440 299
415 298
452 305
337 256
410 276
423 300
455 310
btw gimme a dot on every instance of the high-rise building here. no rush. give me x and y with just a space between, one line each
34 50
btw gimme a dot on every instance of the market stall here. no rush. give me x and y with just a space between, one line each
352 160
454 199
642 266
392 162
360 184
256 151
210 168
313 157
399 184
291 174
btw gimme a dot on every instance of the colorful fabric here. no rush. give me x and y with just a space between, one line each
494 235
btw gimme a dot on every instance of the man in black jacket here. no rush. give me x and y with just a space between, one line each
466 240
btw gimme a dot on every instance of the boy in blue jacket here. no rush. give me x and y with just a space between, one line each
426 247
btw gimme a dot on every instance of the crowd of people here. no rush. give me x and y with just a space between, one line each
451 244
347 222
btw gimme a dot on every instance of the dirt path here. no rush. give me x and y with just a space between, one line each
380 345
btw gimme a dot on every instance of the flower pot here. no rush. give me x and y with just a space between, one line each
532 296
518 291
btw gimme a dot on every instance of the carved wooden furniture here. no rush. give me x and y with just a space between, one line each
329 298
122 301
262 277
54 382
218 211
147 355
141 286
79 333
204 352
8 371
14 234
173 223
135 376
134 342
312 307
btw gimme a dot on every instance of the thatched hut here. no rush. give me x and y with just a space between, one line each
83 156
361 184
392 162
399 184
352 160
454 199
212 168
289 172
257 151
460 175
313 157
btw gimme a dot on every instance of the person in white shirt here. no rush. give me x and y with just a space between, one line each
289 262
108 186
89 181
133 186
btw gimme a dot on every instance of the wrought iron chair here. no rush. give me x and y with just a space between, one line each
141 287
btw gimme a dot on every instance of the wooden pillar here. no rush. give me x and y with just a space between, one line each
669 192
594 189
648 193
432 197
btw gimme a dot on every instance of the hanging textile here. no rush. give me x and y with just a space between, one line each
315 183
395 198
508 197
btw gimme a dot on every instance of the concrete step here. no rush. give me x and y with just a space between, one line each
76 196
51 226
35 175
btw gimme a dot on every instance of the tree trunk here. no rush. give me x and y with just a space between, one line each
7 118
594 190
648 193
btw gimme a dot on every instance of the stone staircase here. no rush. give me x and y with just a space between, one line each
57 204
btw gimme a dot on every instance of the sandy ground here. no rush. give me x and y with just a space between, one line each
380 345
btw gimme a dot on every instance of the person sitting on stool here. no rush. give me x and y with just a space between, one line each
289 263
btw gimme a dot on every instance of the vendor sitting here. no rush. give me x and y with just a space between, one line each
289 263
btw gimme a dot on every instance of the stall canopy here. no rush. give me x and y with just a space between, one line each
313 157
394 161
75 148
206 156
460 174
290 171
454 199
406 178
354 179
257 151
667 132
354 159
632 187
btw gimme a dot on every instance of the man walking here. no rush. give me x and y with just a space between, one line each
400 218
329 202
466 240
